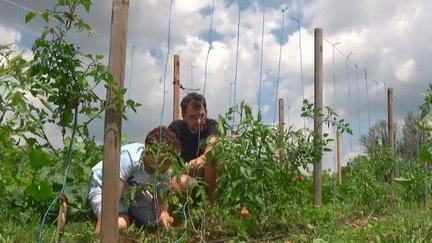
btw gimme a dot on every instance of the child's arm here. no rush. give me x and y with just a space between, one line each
164 216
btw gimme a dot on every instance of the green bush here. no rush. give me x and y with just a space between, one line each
365 183
52 88
260 165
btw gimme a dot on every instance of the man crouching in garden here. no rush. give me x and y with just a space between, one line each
195 133
137 167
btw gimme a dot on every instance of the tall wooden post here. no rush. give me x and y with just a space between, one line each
338 141
318 94
281 115
113 120
391 140
281 128
176 93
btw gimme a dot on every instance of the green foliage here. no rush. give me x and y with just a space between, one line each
330 118
260 164
377 136
416 177
167 165
45 94
366 182
408 147
251 167
413 181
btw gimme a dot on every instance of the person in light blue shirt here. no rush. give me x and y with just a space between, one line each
137 167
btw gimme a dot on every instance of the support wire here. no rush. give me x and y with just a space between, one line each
261 58
280 56
210 47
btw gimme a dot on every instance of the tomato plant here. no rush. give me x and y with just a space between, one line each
260 164
50 90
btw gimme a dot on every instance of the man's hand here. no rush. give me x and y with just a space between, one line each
198 163
213 139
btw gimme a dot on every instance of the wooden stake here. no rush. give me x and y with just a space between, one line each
391 140
281 128
61 220
281 116
318 93
338 141
113 120
176 93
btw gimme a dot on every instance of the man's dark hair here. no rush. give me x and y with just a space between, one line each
163 135
196 100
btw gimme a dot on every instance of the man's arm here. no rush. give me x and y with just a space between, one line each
200 162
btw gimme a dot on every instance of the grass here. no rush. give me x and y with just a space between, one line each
329 223
412 224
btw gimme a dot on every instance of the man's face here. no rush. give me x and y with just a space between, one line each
195 117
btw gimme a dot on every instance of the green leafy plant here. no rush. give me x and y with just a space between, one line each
45 93
260 164
365 182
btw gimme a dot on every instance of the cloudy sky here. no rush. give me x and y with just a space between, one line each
389 40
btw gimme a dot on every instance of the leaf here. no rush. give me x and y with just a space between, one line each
86 6
425 155
131 104
46 104
259 199
242 171
45 192
45 33
44 173
58 18
17 99
31 191
44 15
259 117
221 127
57 178
404 181
319 241
39 158
99 56
29 17
248 111
83 26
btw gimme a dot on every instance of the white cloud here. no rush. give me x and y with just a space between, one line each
190 5
7 36
405 71
391 39
265 109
